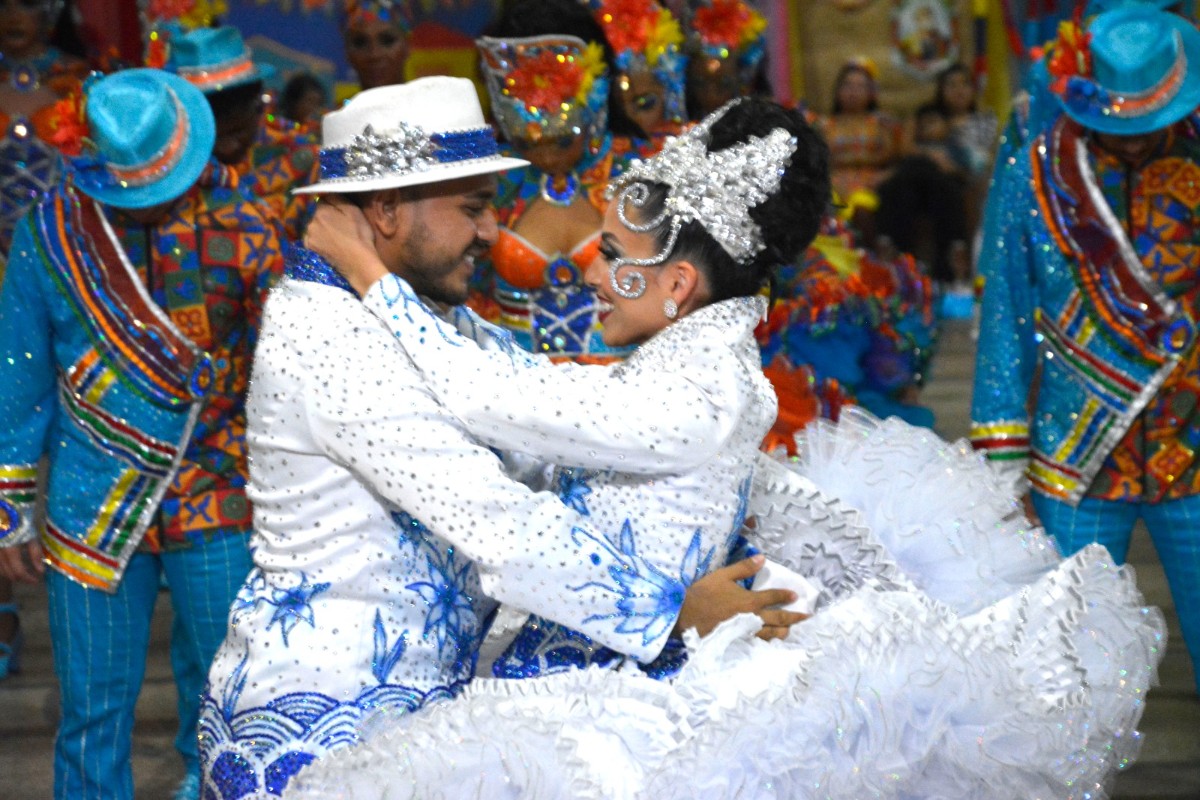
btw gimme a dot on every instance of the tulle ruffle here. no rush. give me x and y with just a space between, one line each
954 654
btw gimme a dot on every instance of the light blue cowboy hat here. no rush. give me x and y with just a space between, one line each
151 136
212 59
1095 7
1145 72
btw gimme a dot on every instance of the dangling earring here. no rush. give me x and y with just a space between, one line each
670 309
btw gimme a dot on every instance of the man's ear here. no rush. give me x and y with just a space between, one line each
385 212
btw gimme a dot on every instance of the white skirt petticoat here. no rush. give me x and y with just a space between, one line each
954 654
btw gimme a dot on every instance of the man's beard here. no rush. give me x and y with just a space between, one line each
431 278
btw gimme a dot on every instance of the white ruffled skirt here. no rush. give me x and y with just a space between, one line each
954 654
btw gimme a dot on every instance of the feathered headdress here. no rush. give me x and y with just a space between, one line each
647 38
728 29
545 85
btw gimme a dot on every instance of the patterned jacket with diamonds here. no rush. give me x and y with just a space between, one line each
124 356
1091 299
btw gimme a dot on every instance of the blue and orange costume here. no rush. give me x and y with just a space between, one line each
124 358
548 89
1087 376
849 327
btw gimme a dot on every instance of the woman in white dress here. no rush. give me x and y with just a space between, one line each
950 655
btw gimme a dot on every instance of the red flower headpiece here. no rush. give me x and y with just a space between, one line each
551 79
727 23
1070 56
68 125
638 26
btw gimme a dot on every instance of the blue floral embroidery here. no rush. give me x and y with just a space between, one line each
543 647
695 564
447 592
634 578
233 688
412 532
294 605
451 609
249 595
396 291
573 489
385 658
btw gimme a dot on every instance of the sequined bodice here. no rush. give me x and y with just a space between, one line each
686 523
542 298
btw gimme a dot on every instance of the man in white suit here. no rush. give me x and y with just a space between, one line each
380 525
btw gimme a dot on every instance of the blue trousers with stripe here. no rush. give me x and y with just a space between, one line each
1174 526
100 641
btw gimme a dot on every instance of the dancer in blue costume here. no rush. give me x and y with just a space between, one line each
1095 294
127 322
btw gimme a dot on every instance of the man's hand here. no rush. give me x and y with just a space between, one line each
23 562
718 596
340 233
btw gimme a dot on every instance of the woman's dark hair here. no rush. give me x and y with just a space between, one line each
294 90
64 33
928 110
788 219
520 18
847 69
939 94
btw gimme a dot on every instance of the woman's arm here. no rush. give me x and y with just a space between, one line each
583 416
586 416
367 409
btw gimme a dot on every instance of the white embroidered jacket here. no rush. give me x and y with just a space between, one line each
657 451
378 520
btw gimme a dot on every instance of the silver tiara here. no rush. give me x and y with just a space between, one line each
715 189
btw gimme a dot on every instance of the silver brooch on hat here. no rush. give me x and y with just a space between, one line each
715 189
405 149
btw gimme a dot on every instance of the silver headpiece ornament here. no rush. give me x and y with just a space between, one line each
715 189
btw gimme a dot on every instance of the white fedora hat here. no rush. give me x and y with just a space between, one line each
426 131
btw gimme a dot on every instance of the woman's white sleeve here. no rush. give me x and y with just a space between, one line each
569 414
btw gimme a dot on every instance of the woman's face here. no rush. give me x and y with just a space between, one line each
376 50
310 106
643 99
957 92
627 322
854 92
712 82
23 28
557 155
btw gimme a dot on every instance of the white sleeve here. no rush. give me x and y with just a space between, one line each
368 410
569 414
